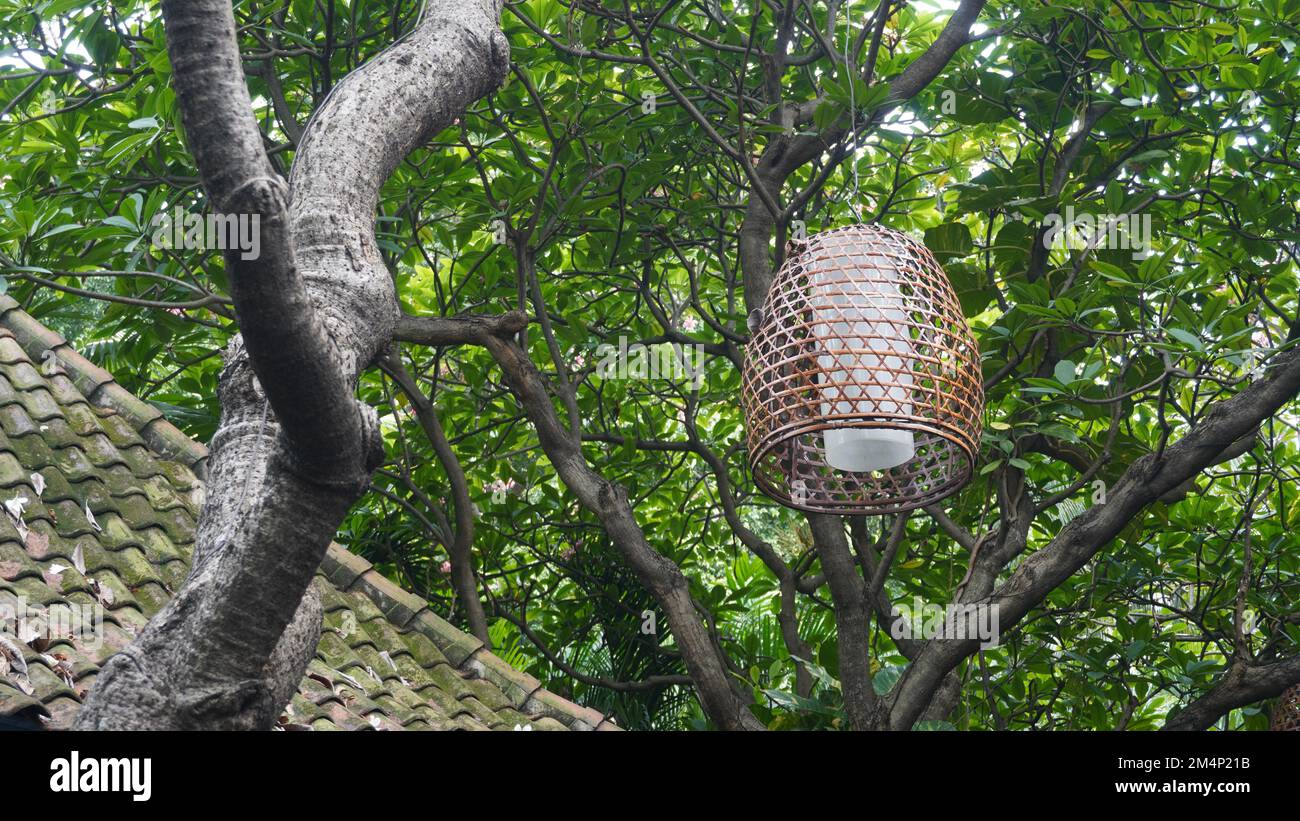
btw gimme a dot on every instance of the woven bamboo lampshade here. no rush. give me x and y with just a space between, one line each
861 385
1286 713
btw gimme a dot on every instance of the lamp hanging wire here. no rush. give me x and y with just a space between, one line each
861 385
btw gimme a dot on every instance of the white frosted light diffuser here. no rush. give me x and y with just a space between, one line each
859 323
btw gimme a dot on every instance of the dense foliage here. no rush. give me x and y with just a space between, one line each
602 189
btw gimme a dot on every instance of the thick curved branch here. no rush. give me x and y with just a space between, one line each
1240 686
283 334
372 120
466 329
609 502
294 449
852 620
1144 482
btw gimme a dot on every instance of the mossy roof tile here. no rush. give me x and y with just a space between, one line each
423 650
11 470
15 422
488 694
10 350
40 405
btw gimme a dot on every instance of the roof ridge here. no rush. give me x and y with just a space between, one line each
404 610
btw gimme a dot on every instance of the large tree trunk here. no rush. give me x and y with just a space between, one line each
295 449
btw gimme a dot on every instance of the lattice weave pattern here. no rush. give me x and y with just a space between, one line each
861 331
1286 714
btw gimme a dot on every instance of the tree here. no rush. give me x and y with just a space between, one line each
315 306
569 225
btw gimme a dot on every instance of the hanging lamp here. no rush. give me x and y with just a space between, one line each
861 385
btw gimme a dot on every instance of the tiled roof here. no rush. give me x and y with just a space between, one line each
385 659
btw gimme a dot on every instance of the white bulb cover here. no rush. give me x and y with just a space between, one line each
866 367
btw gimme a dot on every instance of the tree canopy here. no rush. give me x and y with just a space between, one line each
573 491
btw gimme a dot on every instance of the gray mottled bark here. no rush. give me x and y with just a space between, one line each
1242 685
295 449
852 620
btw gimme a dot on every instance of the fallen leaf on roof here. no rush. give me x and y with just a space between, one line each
90 517
350 680
16 505
38 483
12 655
103 592
79 560
63 669
285 724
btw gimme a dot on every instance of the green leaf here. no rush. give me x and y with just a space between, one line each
885 679
1064 371
952 239
120 222
1186 337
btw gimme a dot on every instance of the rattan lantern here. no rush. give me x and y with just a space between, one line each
1286 713
861 385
